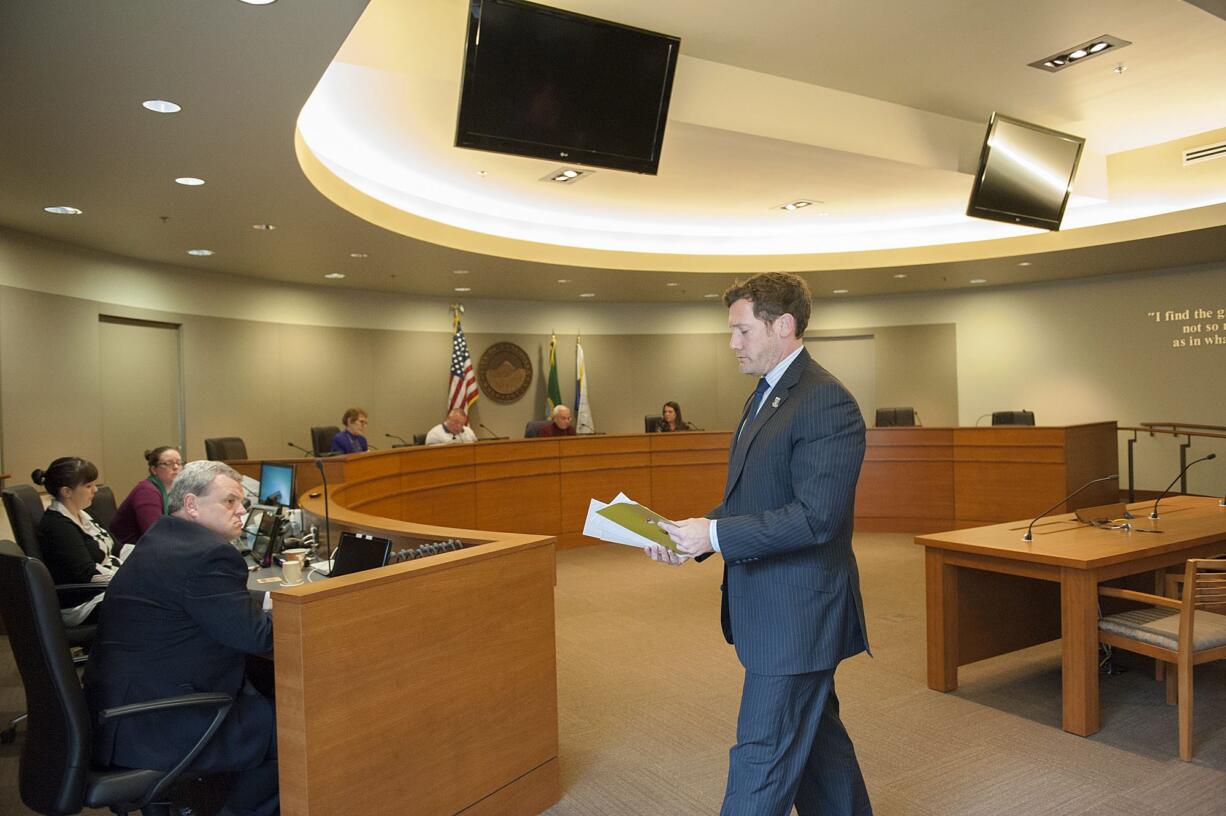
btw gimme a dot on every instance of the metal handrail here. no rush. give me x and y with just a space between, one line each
1175 426
1152 428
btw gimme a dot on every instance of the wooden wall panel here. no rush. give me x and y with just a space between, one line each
385 699
531 504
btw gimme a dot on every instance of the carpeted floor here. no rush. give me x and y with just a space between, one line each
648 693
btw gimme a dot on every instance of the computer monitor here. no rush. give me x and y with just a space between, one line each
276 484
267 538
356 552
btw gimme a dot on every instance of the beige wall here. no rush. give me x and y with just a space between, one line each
265 361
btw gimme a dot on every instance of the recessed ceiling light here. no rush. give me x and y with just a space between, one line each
463 288
710 295
189 181
1024 263
978 280
1120 69
200 253
566 175
62 210
264 227
459 271
358 255
799 204
482 173
840 291
563 280
1077 54
258 2
900 275
588 294
334 275
671 283
161 106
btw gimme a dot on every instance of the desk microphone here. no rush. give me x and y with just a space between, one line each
690 426
1154 513
319 463
402 444
1030 537
299 447
493 434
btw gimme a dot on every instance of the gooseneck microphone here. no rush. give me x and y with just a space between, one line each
299 447
493 434
1030 537
1154 513
319 463
402 444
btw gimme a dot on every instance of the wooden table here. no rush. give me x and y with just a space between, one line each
989 592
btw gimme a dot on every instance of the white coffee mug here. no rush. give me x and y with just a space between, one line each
291 572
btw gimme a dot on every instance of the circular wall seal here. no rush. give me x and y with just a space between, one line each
504 372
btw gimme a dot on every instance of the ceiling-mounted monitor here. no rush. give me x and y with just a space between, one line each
553 84
1025 174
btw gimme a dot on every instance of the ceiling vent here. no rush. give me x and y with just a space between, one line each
1203 154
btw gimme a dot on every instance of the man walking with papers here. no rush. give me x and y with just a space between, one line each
791 589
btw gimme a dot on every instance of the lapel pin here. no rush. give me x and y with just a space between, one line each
775 404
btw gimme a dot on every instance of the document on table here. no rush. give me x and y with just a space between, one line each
625 521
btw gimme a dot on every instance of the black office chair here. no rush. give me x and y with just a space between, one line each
533 429
895 417
321 438
651 423
103 509
225 448
56 776
24 508
1013 417
419 439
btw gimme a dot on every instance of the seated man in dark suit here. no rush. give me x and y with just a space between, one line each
561 423
179 619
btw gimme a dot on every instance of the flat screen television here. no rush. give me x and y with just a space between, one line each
276 484
1025 174
552 84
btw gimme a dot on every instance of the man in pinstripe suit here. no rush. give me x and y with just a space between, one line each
791 590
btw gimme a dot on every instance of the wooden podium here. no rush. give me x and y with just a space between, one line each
426 687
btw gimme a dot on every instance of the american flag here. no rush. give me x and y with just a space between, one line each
463 389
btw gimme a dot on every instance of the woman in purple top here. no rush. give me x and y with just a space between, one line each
353 438
147 501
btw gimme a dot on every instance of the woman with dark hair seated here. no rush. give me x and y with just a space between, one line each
147 501
353 438
670 419
76 549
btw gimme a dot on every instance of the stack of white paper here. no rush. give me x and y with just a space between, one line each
620 527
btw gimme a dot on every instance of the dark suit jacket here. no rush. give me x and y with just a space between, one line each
178 619
791 600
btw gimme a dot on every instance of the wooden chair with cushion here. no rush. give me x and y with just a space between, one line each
1182 633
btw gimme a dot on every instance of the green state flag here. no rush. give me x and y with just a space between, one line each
553 392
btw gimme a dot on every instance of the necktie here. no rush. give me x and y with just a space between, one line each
752 409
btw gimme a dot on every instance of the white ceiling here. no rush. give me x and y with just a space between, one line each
876 109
